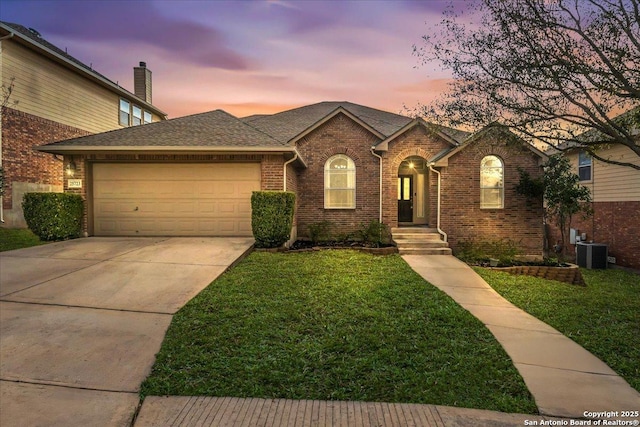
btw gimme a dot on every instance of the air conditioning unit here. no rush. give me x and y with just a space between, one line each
591 255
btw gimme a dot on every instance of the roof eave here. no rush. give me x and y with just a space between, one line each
169 149
100 80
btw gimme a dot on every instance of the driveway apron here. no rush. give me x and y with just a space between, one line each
82 320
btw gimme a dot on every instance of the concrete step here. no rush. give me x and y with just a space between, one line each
425 251
416 236
413 230
402 244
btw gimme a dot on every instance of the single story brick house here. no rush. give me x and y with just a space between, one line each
347 163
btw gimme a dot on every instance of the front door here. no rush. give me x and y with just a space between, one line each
405 198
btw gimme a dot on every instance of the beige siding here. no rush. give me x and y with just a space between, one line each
612 183
49 90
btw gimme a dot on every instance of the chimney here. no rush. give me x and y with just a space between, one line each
142 82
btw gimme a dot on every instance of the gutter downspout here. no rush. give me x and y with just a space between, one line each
380 208
284 172
444 235
8 36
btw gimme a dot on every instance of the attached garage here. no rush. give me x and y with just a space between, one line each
173 199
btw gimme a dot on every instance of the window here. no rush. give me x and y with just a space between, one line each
125 108
491 183
339 183
584 166
147 118
137 116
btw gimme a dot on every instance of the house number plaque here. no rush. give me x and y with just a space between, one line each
74 183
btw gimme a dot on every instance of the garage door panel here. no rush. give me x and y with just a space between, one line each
174 199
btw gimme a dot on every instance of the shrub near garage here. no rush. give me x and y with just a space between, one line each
272 217
53 216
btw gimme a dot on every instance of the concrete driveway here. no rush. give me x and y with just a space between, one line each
82 320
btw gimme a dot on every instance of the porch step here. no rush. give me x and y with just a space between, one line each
424 251
419 241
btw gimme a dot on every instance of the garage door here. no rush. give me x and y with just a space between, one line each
211 199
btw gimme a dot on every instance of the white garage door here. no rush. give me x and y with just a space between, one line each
187 199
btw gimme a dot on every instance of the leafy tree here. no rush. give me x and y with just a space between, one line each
550 70
564 196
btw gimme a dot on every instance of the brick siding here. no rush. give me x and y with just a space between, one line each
22 164
617 224
339 135
519 221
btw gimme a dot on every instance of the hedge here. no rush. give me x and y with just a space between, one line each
53 216
272 217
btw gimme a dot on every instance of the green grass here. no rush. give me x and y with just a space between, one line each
603 317
17 238
334 325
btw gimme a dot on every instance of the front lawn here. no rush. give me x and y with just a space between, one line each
17 238
603 317
334 325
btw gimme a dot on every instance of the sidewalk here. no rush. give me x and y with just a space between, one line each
564 378
203 411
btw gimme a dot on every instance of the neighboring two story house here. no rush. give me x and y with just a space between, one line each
615 193
50 96
347 163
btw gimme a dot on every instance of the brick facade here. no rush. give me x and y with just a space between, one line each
617 224
339 135
415 142
26 169
520 220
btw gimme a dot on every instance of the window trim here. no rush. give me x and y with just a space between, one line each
351 170
483 205
589 166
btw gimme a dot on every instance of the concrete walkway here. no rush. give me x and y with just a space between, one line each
185 411
565 379
82 320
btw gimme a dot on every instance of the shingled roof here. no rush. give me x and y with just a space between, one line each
213 129
286 125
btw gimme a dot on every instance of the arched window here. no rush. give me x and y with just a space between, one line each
491 183
339 183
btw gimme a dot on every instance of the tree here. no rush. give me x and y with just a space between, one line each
564 196
555 71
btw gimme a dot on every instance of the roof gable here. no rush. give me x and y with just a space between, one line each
288 126
451 136
442 159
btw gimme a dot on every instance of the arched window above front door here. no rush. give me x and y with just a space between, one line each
339 183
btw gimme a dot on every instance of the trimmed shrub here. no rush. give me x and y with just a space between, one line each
53 216
272 217
375 233
320 231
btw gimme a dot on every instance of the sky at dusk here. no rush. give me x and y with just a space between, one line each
249 57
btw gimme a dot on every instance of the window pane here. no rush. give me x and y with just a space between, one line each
340 198
406 194
148 118
584 172
339 182
124 112
491 198
399 188
584 159
137 116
